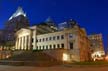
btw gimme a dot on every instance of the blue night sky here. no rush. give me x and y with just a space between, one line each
91 14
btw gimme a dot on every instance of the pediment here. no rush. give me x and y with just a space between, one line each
23 31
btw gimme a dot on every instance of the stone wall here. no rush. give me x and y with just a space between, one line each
56 54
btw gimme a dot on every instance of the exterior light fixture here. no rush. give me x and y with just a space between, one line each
98 55
65 57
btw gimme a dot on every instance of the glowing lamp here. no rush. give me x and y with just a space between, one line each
65 57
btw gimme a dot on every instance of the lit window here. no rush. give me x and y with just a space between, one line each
70 36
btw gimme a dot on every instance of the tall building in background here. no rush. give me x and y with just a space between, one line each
96 42
96 46
68 24
17 21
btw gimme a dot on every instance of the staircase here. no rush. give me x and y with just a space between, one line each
30 58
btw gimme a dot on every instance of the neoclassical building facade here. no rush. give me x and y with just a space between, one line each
71 41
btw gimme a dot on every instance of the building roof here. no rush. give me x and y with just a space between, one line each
18 12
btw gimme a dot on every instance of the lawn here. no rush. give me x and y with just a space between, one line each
91 63
87 64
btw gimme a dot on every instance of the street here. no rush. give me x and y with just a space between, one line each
55 68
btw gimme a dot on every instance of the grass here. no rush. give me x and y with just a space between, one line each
87 64
91 63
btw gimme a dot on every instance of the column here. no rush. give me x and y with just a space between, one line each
29 39
16 45
19 43
25 43
34 38
22 47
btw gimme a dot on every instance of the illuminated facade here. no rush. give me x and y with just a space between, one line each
67 42
97 48
96 42
72 41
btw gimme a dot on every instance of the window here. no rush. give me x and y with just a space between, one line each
54 46
46 39
32 39
53 37
62 36
58 37
58 46
36 40
71 45
49 38
46 46
40 40
43 39
70 36
62 45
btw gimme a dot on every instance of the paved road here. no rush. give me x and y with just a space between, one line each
56 68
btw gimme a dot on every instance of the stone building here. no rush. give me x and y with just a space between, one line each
71 43
96 46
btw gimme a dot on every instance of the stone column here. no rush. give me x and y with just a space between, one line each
16 45
22 43
34 39
25 43
29 42
19 42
